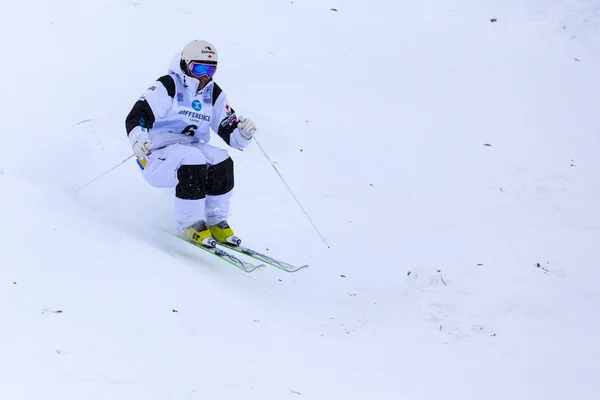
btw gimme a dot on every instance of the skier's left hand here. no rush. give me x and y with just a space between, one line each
246 127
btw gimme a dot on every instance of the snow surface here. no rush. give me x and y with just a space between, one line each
451 162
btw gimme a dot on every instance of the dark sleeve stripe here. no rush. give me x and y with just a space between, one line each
216 93
169 84
140 115
227 126
229 123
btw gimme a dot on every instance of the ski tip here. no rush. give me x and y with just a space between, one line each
256 267
295 269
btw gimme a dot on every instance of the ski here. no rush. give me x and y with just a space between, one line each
282 265
223 255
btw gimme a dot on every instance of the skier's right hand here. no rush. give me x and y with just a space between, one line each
142 147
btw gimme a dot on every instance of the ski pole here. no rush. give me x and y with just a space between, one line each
292 193
105 173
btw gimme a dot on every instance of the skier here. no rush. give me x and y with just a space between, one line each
168 129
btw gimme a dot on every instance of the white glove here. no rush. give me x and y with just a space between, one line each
142 147
246 127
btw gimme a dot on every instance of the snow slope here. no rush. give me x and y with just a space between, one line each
449 161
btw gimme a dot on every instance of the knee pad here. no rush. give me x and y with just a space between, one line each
191 182
219 178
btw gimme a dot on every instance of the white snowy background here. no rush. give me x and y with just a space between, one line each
451 163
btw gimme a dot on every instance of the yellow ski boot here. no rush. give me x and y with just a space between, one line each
223 233
200 234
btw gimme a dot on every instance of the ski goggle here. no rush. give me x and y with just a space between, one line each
199 69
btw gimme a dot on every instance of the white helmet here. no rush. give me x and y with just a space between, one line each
199 50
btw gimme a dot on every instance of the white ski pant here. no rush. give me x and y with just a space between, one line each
202 176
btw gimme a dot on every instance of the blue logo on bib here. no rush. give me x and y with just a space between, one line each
196 105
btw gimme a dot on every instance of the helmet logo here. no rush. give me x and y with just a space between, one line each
209 51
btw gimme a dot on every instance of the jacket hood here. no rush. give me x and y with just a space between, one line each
190 83
175 66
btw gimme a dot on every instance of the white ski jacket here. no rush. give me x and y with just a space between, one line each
172 111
